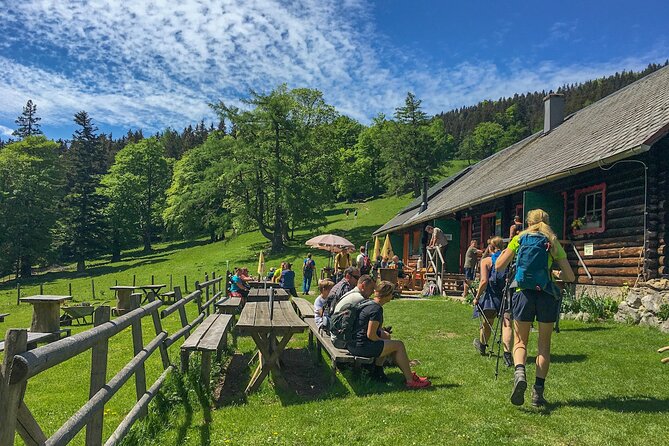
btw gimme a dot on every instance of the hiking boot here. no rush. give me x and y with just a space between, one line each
538 399
519 387
508 359
480 347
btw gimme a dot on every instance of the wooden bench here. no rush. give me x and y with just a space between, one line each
168 296
303 307
3 316
210 336
229 305
337 355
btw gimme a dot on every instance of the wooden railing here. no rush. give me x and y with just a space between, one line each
21 364
436 261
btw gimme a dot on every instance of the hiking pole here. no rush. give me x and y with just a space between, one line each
506 298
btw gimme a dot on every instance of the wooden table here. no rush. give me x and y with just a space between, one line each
265 326
262 284
3 316
262 295
151 288
123 298
46 312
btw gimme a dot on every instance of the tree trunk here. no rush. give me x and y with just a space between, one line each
116 247
81 265
147 241
26 267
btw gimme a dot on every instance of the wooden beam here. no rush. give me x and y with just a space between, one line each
11 394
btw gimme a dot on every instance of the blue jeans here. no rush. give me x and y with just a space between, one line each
306 283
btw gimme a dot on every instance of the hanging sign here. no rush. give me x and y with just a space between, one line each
588 249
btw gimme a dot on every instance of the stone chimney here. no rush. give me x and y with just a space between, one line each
423 205
553 111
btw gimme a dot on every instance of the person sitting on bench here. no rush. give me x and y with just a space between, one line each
372 341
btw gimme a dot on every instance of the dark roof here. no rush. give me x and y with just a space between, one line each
618 126
412 210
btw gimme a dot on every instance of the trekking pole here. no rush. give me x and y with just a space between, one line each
502 309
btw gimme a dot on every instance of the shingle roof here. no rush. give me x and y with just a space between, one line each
618 126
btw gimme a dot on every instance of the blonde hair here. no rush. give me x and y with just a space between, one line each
325 284
385 288
538 221
497 242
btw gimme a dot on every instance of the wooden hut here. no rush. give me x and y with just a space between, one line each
601 173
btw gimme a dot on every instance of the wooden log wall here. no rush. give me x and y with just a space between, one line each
660 213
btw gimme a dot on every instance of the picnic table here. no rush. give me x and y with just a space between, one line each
266 322
150 288
3 316
261 284
46 312
262 295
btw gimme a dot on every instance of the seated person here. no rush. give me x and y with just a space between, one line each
277 273
372 341
244 274
287 280
270 274
399 266
385 262
321 314
238 288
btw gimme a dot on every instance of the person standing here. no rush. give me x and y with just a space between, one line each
359 261
308 268
437 241
341 261
471 257
536 297
287 281
516 227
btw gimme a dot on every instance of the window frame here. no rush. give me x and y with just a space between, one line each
492 234
591 190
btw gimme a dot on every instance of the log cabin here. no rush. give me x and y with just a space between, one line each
601 173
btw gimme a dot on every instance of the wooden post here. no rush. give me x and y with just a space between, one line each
134 277
18 293
206 292
93 287
171 288
69 289
158 326
138 346
198 300
115 282
152 280
185 284
99 354
213 276
41 288
11 395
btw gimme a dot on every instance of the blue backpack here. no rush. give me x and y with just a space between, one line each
532 263
496 279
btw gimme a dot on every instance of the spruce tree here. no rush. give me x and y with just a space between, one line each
28 122
83 227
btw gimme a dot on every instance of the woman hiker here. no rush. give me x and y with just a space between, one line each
308 268
536 297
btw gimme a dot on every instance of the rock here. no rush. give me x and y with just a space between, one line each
649 319
627 314
658 284
634 298
651 302
664 327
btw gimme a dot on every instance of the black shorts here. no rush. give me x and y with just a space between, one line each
370 349
526 305
470 273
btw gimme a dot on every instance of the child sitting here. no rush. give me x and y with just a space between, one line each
321 315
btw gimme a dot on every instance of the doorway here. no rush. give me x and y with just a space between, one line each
465 238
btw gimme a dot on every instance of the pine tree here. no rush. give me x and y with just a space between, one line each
83 227
28 122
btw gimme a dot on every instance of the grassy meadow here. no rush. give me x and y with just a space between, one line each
606 384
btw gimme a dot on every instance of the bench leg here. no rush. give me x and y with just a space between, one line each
205 371
184 361
319 355
311 340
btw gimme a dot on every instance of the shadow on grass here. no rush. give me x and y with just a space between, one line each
561 359
363 385
236 375
631 404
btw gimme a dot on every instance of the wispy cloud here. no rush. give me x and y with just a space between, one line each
5 131
157 63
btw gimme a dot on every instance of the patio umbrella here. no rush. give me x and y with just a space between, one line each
387 250
261 266
330 242
377 249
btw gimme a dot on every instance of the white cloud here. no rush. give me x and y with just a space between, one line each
156 63
5 131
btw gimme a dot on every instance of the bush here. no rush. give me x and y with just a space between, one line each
596 306
663 314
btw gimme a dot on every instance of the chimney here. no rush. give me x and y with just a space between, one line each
423 205
553 111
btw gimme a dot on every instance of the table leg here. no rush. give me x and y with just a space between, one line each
46 317
268 361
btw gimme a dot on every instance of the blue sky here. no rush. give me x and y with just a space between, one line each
151 64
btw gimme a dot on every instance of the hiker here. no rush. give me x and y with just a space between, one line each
287 281
351 276
341 261
372 341
516 227
277 273
361 257
363 289
308 268
321 313
437 241
347 212
363 262
536 297
355 214
244 275
471 257
488 299
270 274
399 266
238 288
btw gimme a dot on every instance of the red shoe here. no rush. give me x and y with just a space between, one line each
415 377
418 384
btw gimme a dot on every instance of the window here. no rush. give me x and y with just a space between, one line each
488 222
590 209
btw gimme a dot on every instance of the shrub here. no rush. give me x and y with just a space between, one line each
596 306
663 314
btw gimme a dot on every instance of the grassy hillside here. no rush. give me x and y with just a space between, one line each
606 383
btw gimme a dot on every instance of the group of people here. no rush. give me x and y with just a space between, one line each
360 295
520 295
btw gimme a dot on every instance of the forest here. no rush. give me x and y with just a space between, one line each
273 165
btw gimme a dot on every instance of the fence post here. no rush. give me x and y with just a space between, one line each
185 284
69 288
99 354
152 280
213 276
11 395
138 346
198 300
41 288
171 288
18 293
206 292
93 287
158 326
134 277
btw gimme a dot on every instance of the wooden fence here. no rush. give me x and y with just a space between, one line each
21 364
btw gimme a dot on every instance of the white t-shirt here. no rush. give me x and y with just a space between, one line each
359 260
350 298
319 304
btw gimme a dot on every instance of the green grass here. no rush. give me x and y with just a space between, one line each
606 383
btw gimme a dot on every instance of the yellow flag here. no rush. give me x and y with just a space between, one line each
261 266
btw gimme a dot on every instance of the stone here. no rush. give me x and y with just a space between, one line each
664 327
658 284
634 298
649 319
627 314
652 301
